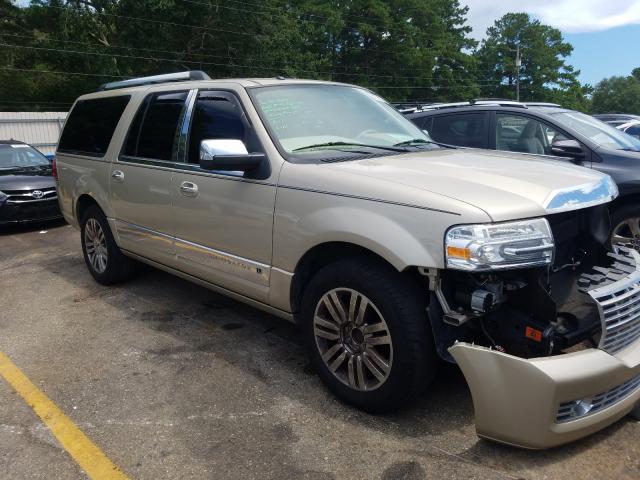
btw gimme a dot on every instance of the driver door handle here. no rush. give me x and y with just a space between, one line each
117 176
189 189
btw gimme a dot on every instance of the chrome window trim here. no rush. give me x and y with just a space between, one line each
180 153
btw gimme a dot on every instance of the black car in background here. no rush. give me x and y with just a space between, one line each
27 188
545 129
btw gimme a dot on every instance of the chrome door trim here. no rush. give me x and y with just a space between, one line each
249 270
180 154
136 233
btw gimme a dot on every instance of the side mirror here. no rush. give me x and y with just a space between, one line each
567 148
228 155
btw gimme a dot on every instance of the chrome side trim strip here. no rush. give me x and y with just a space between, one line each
136 233
254 272
248 270
236 296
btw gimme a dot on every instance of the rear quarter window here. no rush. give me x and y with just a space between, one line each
462 129
91 124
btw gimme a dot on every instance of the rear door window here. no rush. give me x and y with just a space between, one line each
462 129
91 124
156 127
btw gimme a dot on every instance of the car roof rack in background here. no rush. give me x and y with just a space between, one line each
542 104
169 77
480 102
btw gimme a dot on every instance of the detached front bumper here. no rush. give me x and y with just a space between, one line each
521 402
543 402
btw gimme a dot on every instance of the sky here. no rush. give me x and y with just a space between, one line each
605 34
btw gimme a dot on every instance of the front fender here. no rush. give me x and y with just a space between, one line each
404 236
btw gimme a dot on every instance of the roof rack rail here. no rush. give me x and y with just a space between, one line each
169 77
542 104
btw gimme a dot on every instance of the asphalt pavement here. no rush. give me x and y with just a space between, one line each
172 381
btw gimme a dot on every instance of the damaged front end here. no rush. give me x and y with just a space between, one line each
550 351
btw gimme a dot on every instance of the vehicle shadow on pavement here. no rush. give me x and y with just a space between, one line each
17 228
195 330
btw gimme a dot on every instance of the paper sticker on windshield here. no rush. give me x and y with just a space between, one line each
20 146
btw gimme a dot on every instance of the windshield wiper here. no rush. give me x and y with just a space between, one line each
413 141
350 144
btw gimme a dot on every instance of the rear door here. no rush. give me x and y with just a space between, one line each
468 129
223 220
141 178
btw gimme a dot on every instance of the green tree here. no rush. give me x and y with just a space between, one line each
406 49
617 95
544 74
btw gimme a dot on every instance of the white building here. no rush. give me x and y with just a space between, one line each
39 129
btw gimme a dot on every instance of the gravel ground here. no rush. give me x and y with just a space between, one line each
173 381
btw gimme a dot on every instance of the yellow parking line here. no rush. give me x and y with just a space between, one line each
90 458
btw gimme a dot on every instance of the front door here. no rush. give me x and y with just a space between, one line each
223 220
141 178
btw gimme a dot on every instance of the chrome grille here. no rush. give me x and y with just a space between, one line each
618 302
26 196
577 409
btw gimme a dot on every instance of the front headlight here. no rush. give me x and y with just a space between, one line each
496 246
3 197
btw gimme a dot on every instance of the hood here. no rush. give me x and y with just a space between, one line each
26 180
504 185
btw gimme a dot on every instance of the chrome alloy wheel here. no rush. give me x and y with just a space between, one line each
96 245
627 233
353 339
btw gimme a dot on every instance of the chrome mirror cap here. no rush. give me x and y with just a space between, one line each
221 147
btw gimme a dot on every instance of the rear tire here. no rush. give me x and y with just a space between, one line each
106 263
377 357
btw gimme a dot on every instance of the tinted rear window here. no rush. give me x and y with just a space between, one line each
155 128
91 124
465 130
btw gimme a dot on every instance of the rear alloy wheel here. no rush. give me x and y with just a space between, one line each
96 245
106 263
367 332
353 339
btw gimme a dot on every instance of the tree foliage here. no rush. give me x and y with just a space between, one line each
54 50
618 94
544 74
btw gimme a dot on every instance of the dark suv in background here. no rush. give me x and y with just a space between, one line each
545 129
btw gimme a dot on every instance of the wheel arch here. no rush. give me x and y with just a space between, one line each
329 252
83 202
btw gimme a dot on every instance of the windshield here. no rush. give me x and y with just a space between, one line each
306 119
21 156
601 133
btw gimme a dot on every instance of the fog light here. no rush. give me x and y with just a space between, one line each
579 408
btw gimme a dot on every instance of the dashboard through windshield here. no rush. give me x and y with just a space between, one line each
599 132
312 120
19 155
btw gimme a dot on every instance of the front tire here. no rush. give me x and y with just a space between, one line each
367 332
626 227
106 263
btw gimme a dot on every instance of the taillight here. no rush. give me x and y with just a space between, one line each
54 169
